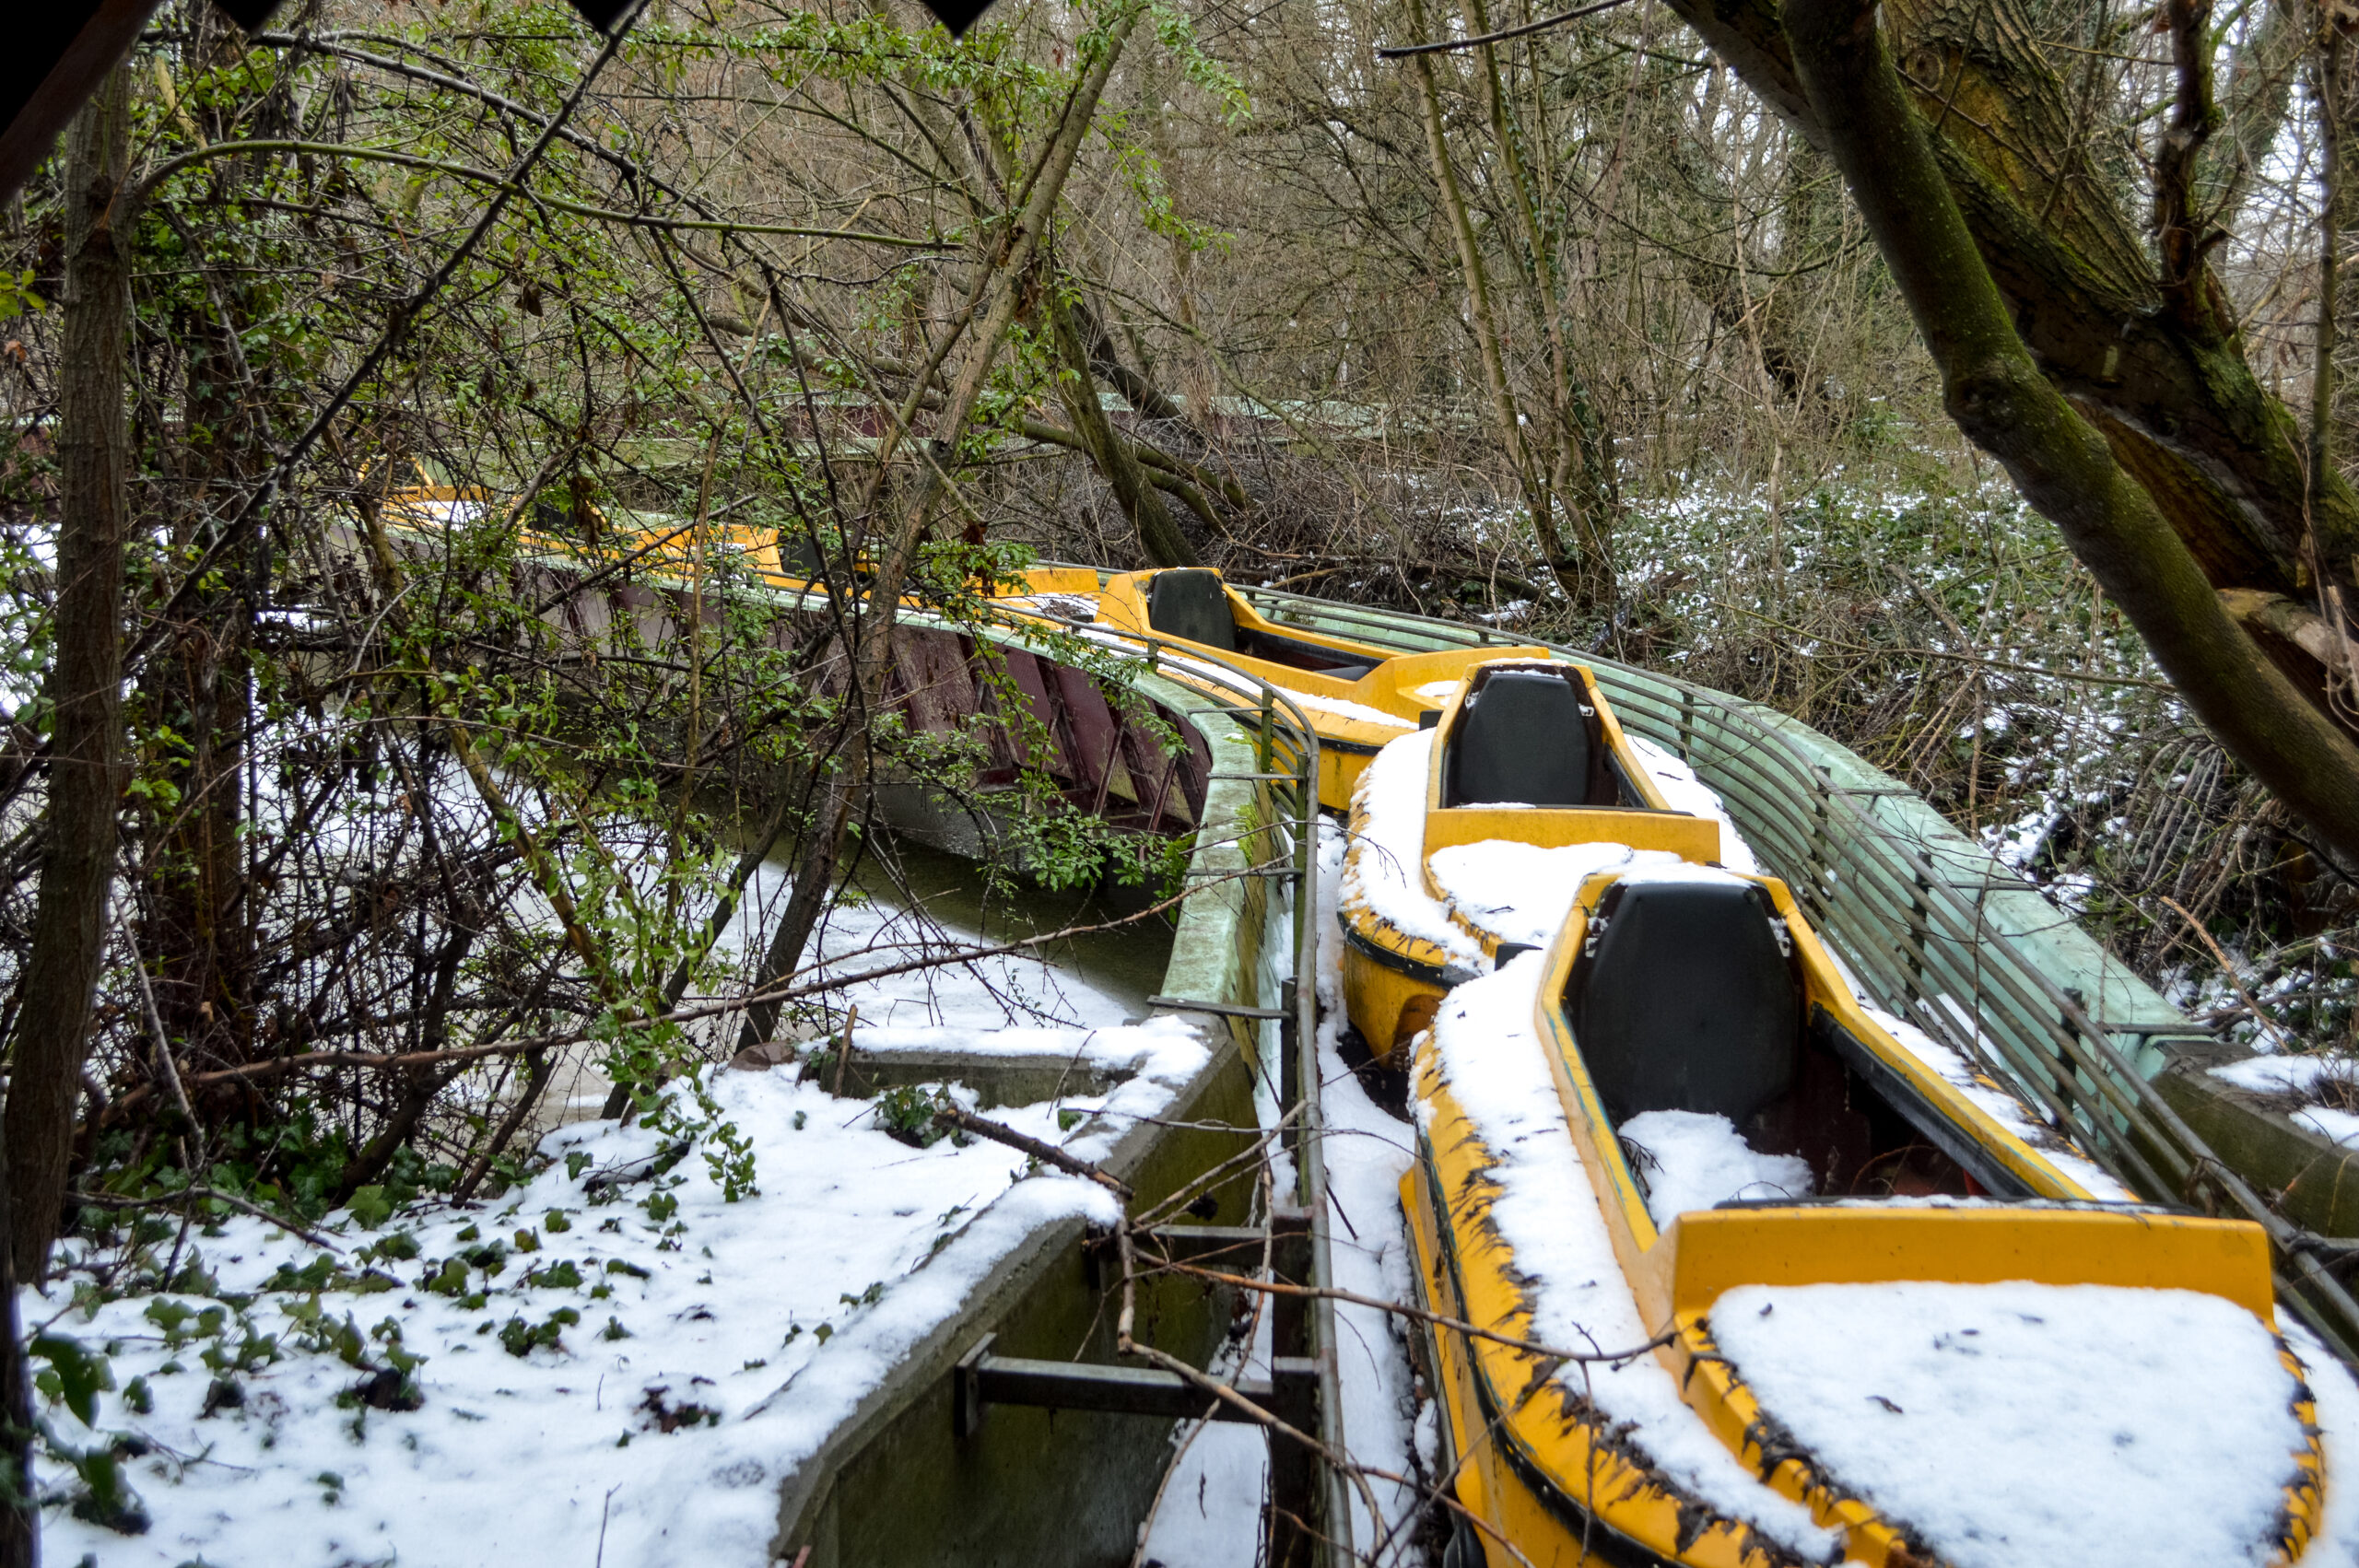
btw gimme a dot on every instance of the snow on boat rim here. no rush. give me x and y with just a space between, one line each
2002 1106
1382 871
1523 893
2014 1422
1494 1066
1509 890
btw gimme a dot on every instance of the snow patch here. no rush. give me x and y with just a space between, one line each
646 1300
1691 1160
1382 872
1342 708
1682 791
2284 1074
2016 1422
1520 893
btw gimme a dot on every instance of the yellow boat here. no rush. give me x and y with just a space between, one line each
1573 1105
1357 695
1526 752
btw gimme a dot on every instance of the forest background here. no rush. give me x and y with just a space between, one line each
1581 335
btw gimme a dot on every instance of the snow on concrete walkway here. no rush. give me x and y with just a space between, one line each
616 1361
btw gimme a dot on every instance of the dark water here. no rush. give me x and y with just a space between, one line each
1126 962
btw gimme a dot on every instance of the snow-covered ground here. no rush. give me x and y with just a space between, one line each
858 935
613 1363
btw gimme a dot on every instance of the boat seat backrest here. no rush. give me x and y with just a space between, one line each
1525 737
1191 605
1685 999
799 555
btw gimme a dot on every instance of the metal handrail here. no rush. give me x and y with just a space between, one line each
1287 751
1917 943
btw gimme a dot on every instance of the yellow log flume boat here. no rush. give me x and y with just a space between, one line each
1355 695
1768 1277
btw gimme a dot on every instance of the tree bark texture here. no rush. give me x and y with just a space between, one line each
2062 465
1159 538
2151 364
2170 389
84 690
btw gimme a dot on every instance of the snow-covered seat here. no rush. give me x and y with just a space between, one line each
1686 1000
1526 736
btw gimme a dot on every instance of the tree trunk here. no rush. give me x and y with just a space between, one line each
1159 538
195 695
1581 477
996 308
1571 571
2062 465
84 690
2151 365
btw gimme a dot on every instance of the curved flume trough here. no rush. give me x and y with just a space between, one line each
895 1481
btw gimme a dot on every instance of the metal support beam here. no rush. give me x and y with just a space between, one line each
983 1380
1293 1524
1225 1009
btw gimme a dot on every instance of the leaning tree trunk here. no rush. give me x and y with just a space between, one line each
84 690
1997 394
1159 538
1010 269
2146 359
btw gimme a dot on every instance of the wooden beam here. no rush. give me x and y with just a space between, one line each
54 59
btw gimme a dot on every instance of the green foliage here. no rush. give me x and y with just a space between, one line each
908 1111
519 1338
104 1497
75 1375
371 1207
18 296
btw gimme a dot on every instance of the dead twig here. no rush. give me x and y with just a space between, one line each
1047 1154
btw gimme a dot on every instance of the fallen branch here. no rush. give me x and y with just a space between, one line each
1456 1325
1047 1154
106 1201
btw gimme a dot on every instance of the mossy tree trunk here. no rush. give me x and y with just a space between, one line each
2104 374
84 688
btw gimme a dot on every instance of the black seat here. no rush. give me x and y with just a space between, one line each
1686 1000
1525 736
1191 605
798 556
